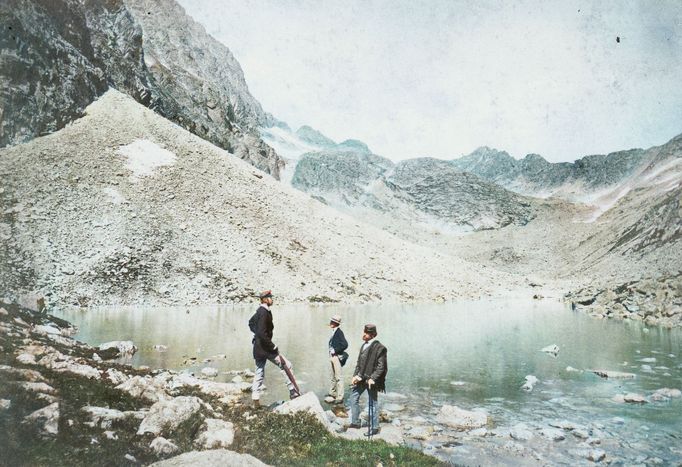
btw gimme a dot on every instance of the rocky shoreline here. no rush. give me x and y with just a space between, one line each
655 301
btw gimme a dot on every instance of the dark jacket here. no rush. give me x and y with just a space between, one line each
372 363
338 342
261 326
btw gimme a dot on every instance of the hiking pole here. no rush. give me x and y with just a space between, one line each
371 415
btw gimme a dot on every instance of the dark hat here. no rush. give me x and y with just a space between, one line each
370 329
265 294
335 319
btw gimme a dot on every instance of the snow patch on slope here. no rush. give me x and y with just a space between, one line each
145 156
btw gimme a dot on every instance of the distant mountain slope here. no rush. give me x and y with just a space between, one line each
426 190
122 206
534 176
59 55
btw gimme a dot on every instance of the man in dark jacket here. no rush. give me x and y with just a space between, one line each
337 358
264 349
370 374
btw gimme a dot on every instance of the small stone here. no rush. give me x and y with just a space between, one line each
513 446
553 434
581 434
633 398
596 455
166 416
5 404
215 434
551 349
125 348
530 383
665 394
209 372
521 432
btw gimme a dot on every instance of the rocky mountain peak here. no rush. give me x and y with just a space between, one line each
312 136
354 145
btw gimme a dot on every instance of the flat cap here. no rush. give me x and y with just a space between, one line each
265 294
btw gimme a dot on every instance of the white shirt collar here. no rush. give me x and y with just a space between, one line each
265 305
368 343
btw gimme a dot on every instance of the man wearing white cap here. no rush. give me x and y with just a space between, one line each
337 357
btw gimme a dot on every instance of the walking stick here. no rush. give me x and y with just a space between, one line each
370 427
289 374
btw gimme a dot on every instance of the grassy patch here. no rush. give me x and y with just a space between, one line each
301 440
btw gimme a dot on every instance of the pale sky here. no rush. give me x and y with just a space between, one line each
442 77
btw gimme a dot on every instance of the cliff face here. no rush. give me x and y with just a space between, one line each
59 55
197 83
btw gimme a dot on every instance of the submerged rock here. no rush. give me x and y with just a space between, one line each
392 407
461 419
551 349
5 404
613 374
666 394
521 432
630 398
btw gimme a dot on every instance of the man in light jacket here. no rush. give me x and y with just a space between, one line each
337 358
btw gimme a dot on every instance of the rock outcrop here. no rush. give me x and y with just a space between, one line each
652 300
61 55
